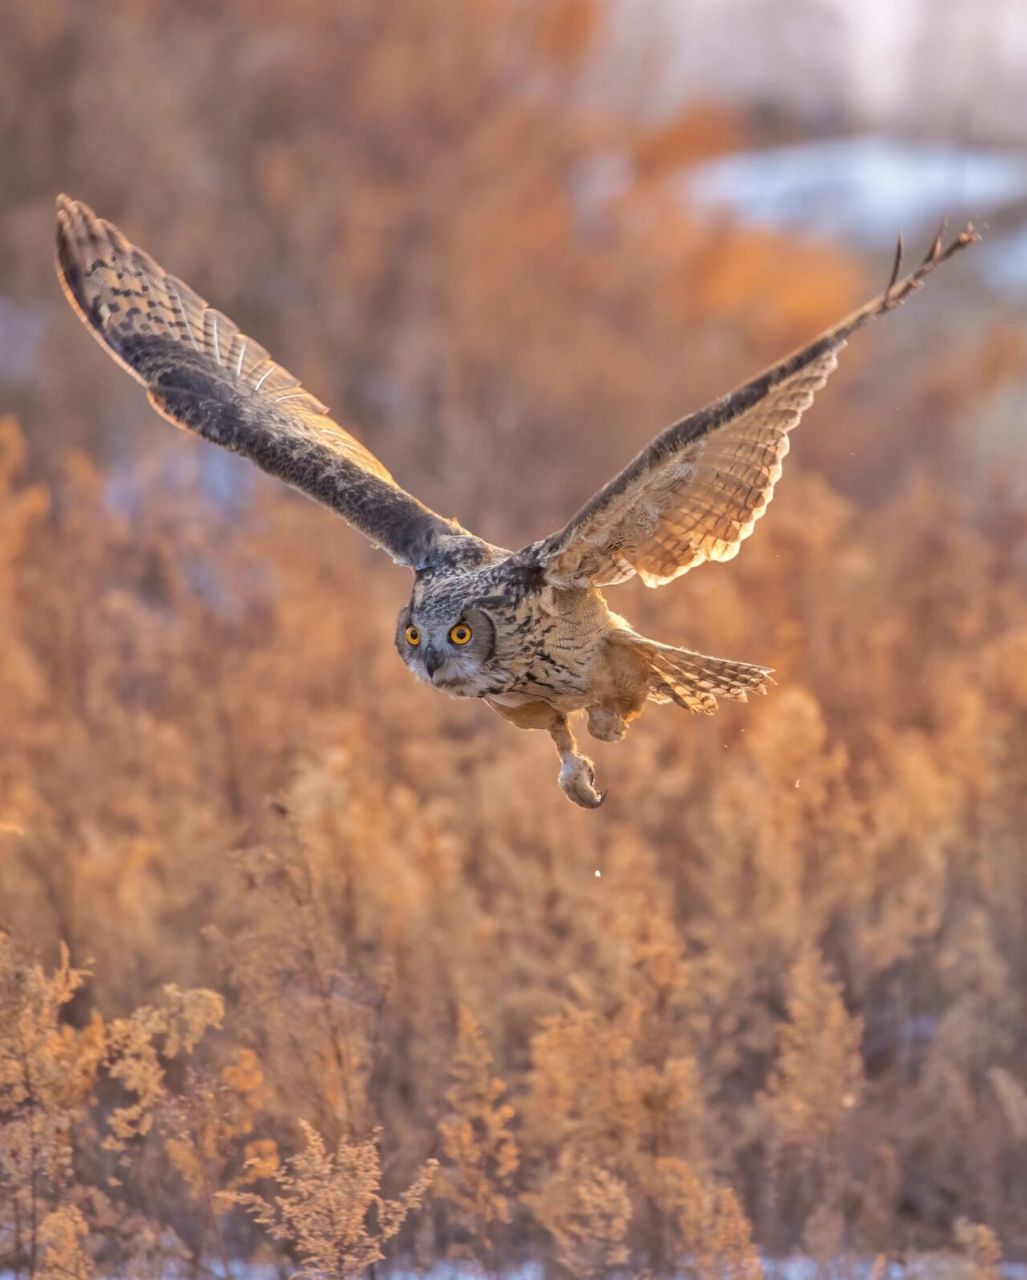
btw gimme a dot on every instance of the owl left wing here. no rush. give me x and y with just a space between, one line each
696 491
206 376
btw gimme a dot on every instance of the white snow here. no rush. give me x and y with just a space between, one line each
864 187
863 190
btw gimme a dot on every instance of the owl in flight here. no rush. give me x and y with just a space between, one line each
528 631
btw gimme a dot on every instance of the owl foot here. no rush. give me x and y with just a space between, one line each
577 780
606 724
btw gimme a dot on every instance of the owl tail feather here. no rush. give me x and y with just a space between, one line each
695 681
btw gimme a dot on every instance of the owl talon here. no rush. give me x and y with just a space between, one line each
606 724
577 780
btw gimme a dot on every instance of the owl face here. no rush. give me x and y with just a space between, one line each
449 647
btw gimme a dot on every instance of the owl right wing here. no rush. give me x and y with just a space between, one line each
696 491
205 376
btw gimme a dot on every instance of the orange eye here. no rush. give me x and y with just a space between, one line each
413 636
460 634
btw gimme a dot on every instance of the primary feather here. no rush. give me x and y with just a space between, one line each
205 376
696 491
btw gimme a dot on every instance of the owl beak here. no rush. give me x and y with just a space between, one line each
432 660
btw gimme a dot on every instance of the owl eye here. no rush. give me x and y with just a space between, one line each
413 636
460 634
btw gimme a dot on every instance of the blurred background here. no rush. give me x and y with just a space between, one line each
769 1000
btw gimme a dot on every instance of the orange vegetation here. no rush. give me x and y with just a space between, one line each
340 981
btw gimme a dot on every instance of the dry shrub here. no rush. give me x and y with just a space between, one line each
57 1083
479 1152
978 1245
710 1236
816 1083
587 1210
327 1206
46 1076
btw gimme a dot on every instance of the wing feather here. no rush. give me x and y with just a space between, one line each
696 491
205 376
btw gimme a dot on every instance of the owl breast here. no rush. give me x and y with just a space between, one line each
554 649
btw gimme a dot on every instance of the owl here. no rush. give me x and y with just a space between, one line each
529 631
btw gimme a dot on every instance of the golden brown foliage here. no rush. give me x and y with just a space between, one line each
328 1208
587 1211
788 1011
814 1088
480 1153
51 1120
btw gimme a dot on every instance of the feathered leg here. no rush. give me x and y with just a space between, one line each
577 772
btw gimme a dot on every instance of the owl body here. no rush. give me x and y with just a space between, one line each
498 631
528 632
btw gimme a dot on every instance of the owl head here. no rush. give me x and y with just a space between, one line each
449 643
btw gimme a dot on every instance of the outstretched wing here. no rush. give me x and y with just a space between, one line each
696 491
205 376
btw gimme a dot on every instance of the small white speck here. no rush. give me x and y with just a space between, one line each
796 784
598 874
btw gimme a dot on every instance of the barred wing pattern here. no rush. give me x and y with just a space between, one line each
205 376
697 490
